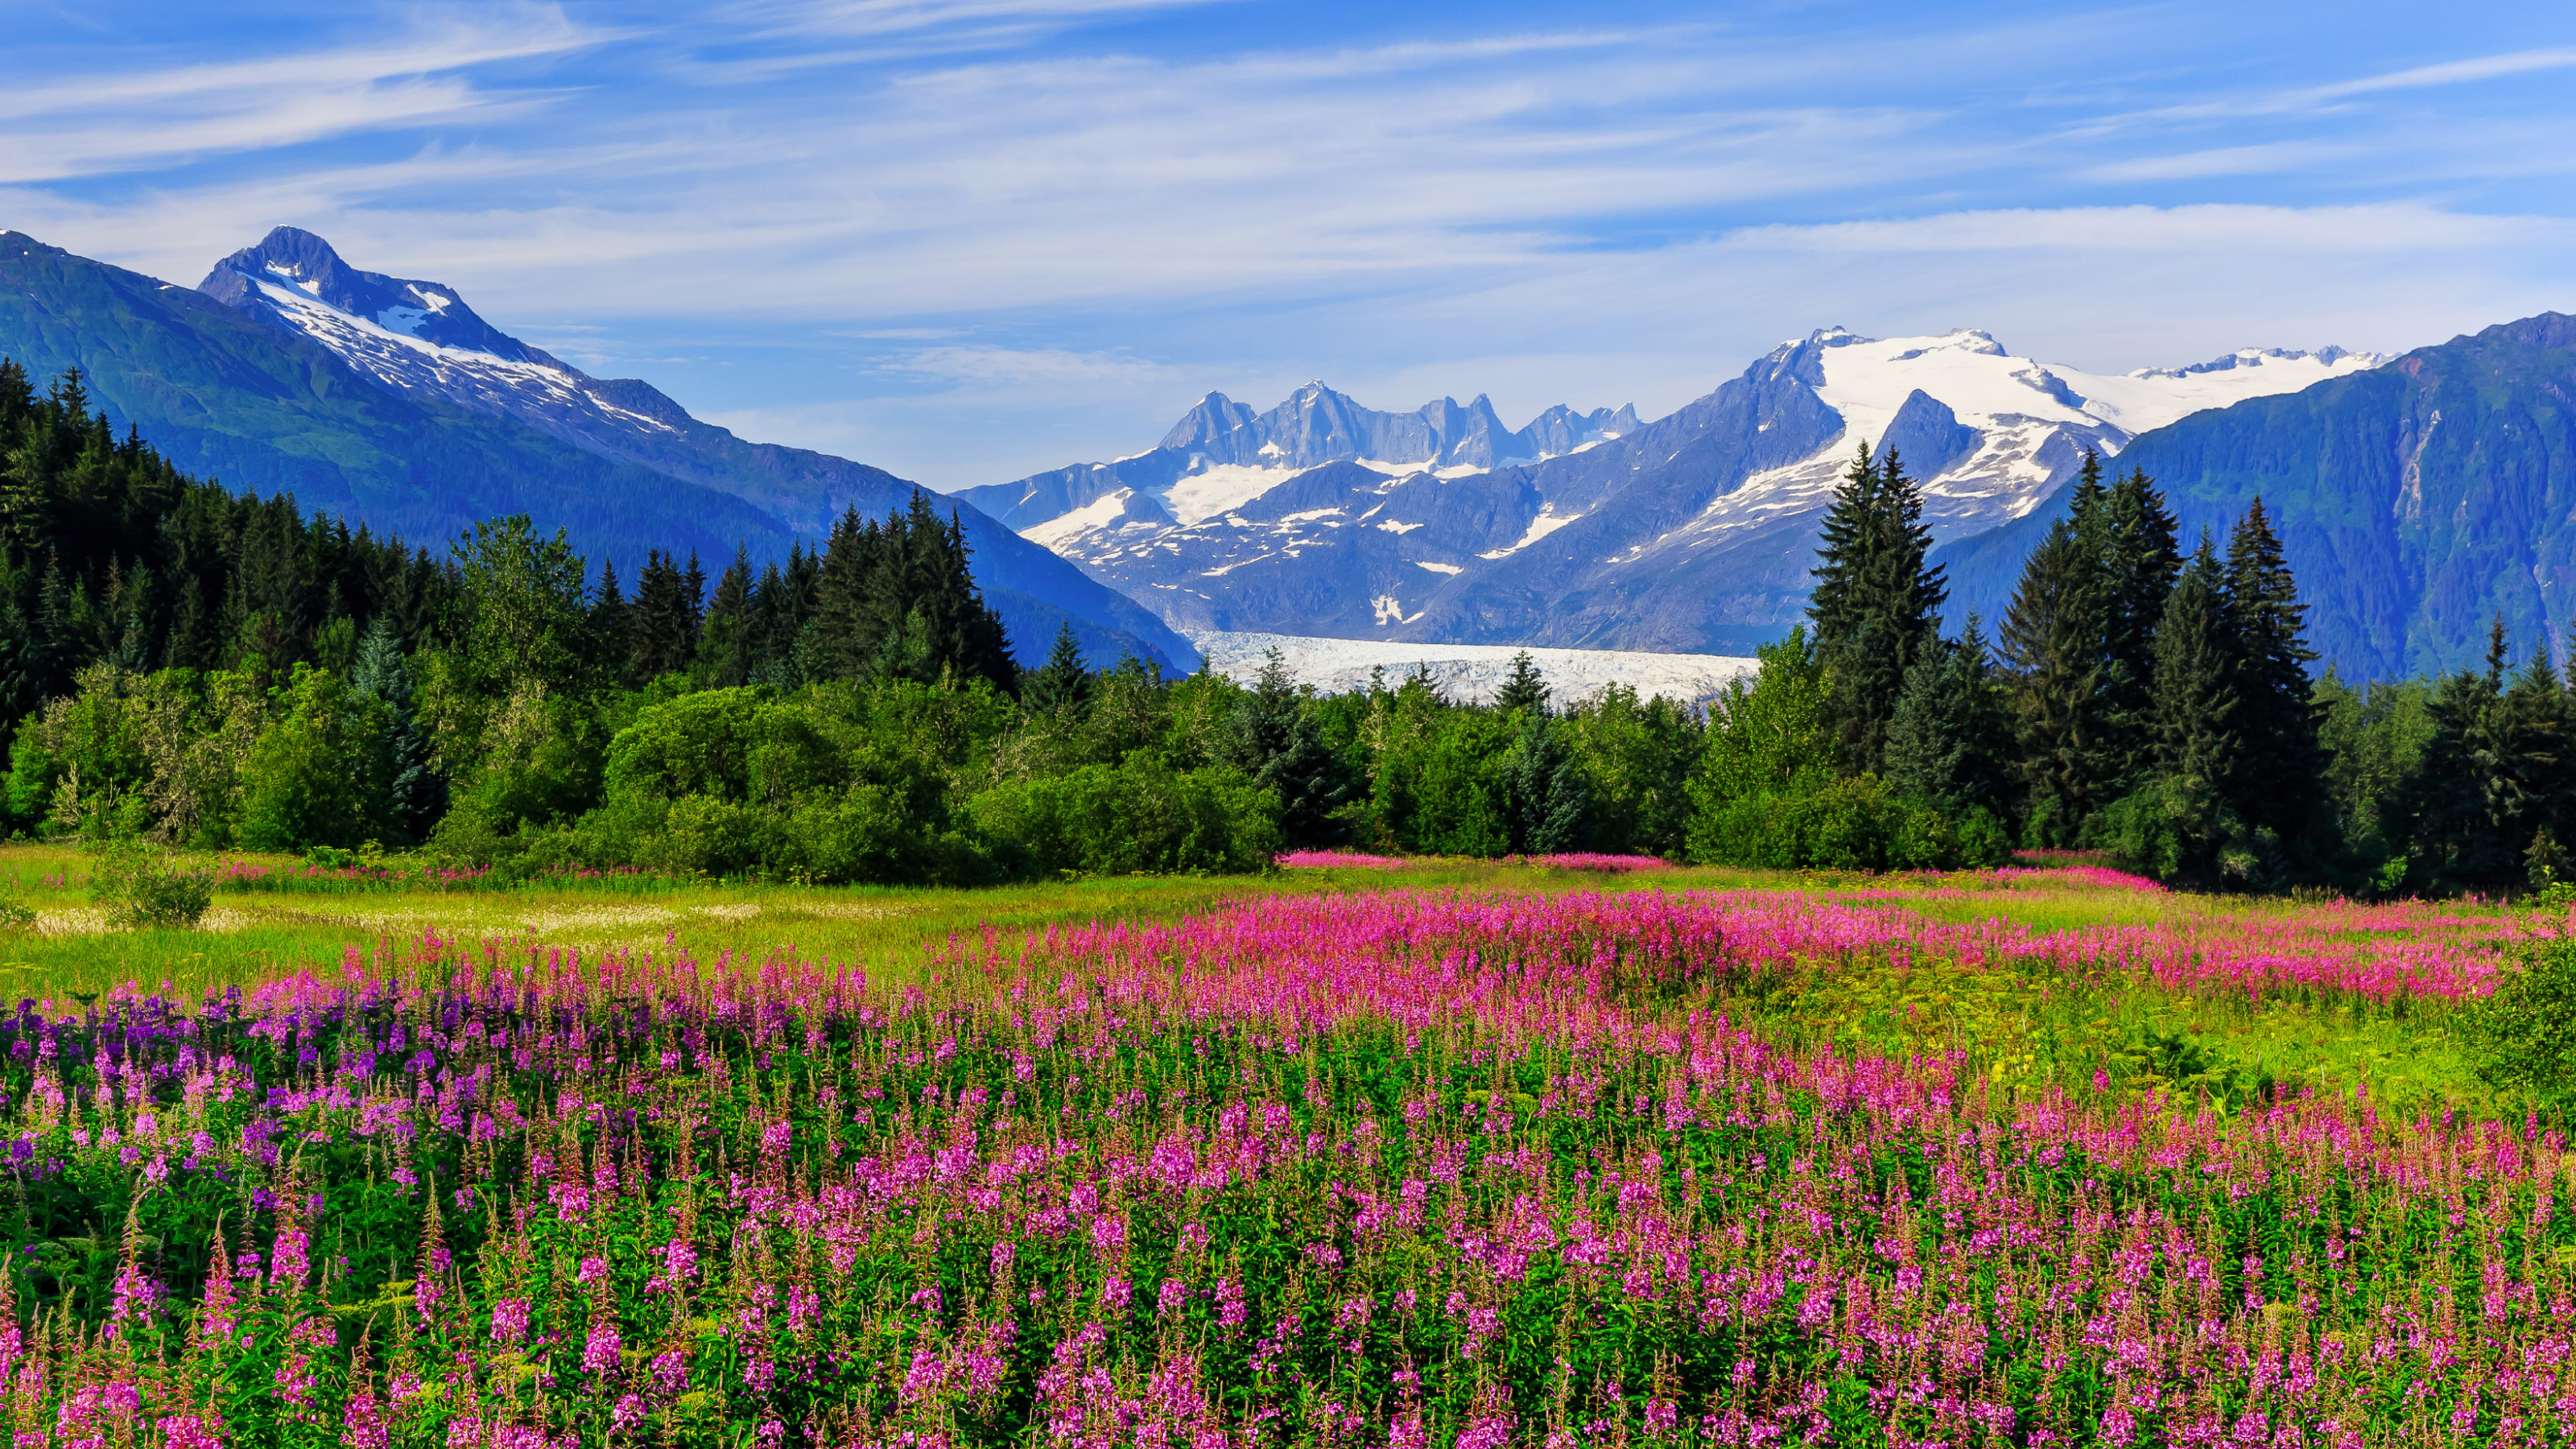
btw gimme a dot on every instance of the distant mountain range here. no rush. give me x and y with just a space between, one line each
390 402
2418 497
1591 530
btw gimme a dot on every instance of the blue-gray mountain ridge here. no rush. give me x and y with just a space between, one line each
388 401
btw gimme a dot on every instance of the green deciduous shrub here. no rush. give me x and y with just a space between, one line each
139 888
1139 815
2523 1037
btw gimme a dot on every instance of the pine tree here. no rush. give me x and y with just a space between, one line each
2276 711
1061 686
1272 737
1877 601
416 793
2139 563
2052 639
1543 792
724 655
1524 688
612 630
1950 739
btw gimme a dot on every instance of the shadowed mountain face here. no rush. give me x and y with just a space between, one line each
390 402
2417 501
1589 530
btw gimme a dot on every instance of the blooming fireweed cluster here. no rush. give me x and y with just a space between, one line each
1385 1171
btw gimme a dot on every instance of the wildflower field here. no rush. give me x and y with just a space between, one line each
1346 1155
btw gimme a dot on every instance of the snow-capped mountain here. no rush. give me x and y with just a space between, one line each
1222 455
1694 532
420 340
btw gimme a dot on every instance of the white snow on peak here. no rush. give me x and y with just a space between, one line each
388 348
1986 387
1439 568
293 277
1220 488
1062 529
2153 397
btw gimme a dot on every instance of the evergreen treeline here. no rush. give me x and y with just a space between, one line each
188 665
2155 706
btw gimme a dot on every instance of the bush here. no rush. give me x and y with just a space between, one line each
317 776
1139 815
138 889
1851 824
2523 1037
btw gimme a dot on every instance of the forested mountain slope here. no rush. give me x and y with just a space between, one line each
2416 501
227 394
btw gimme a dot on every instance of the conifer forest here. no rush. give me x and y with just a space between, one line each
198 668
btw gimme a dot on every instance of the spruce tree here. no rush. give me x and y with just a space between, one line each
415 792
1877 601
899 600
1273 737
2457 800
2197 756
1950 739
2276 711
1061 686
2138 563
2531 770
612 631
724 655
1524 688
1544 796
2052 639
660 619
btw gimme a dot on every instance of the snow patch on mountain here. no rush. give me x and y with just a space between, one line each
1217 489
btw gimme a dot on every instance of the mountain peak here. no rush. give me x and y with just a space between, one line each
294 268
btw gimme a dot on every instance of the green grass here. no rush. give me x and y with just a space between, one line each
254 934
2018 1023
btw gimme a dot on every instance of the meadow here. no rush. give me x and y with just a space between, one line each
1356 1152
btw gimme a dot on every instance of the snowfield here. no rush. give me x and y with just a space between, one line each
1468 671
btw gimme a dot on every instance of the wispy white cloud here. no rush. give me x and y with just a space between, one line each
2257 160
2209 231
1588 211
112 120
2448 73
1044 366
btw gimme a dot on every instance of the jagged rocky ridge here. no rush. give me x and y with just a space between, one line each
1691 533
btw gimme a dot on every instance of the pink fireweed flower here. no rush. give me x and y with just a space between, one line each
510 1321
600 1354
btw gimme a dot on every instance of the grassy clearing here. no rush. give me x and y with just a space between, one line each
2023 1022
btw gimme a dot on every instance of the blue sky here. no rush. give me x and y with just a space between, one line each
969 239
